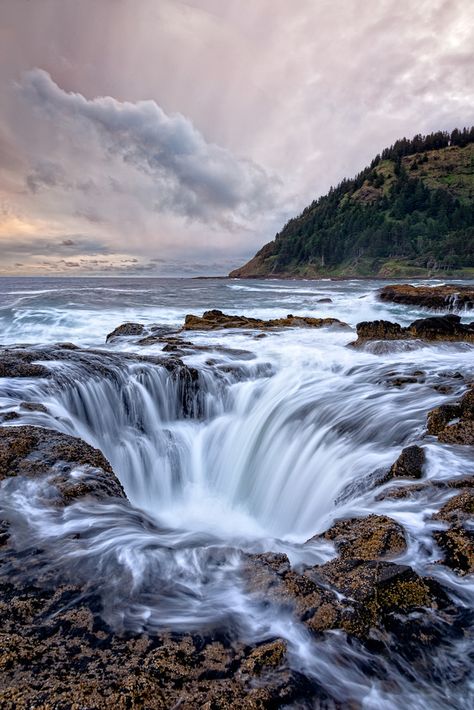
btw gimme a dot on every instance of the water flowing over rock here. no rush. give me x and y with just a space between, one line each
445 297
240 521
34 452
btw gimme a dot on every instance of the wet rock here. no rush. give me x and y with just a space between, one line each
409 464
379 330
437 328
458 509
454 423
324 300
34 452
447 327
21 363
379 591
33 407
215 319
268 655
457 542
438 297
126 329
367 538
457 545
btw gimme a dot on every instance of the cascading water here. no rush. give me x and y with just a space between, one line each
243 456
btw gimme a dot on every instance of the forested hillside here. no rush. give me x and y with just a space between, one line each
410 213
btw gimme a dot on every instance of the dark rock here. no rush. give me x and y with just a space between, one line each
437 328
457 542
447 327
33 451
126 329
454 423
379 330
438 297
33 407
20 363
214 320
324 300
409 464
367 538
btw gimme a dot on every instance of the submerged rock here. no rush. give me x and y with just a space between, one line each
215 320
437 328
438 297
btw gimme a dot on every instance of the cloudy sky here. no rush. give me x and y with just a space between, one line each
176 137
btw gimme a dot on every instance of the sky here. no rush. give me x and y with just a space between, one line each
176 137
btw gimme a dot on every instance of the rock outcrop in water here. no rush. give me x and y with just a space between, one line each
216 320
437 328
445 297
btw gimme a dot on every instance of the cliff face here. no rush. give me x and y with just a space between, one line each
410 213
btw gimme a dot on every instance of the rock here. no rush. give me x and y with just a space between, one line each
409 464
33 452
268 655
379 330
445 296
458 509
402 492
367 538
17 362
447 327
214 320
379 591
457 542
126 329
437 328
440 417
324 300
33 407
454 423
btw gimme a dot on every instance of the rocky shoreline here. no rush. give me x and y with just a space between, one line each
58 651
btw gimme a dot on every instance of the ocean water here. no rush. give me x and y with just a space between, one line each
275 445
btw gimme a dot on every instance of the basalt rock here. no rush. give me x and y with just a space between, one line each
457 542
35 452
437 328
17 362
126 329
408 465
454 423
216 320
367 538
437 297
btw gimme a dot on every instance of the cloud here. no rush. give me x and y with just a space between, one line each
308 91
191 177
